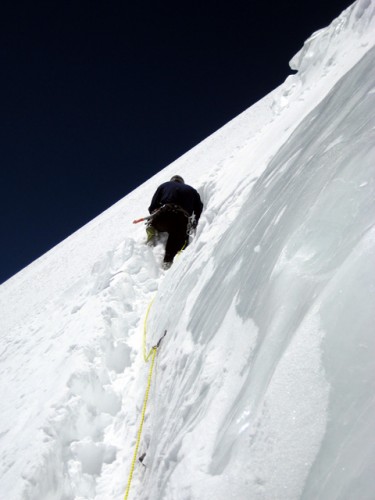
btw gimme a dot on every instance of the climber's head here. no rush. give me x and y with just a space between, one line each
177 178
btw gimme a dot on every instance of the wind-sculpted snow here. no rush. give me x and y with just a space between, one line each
285 285
263 386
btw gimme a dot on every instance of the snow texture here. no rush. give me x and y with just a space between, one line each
264 384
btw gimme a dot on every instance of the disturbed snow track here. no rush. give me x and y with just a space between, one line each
87 429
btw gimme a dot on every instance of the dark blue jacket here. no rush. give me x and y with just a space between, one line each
179 194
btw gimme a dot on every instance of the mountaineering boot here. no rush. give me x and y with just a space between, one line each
151 236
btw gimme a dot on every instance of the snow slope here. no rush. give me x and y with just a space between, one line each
264 385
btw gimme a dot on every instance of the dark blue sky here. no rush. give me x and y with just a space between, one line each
97 96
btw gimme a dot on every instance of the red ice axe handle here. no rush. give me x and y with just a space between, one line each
143 218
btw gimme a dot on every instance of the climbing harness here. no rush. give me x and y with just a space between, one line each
167 207
172 207
151 355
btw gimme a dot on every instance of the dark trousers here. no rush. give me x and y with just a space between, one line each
175 224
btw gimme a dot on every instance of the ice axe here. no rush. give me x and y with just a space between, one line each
142 219
148 217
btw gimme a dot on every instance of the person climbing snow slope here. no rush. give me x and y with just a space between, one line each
175 208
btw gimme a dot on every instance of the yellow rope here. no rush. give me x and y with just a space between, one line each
152 353
146 356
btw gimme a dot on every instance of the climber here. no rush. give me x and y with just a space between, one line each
175 208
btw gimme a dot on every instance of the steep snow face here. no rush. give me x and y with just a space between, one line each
281 326
264 385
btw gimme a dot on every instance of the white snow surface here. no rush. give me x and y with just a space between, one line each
264 384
